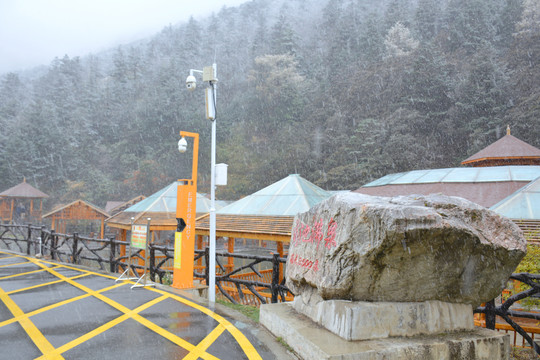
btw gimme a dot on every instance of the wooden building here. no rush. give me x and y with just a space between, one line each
75 211
22 203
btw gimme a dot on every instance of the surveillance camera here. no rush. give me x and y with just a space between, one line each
191 82
182 145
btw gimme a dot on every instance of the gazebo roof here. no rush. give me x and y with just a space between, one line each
74 208
508 148
267 214
287 197
160 207
524 204
24 190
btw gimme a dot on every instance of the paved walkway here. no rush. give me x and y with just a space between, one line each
51 310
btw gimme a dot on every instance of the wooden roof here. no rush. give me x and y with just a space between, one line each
274 228
114 207
78 209
159 220
508 150
24 190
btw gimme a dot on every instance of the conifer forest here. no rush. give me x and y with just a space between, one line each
339 91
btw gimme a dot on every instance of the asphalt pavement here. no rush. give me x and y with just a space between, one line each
52 310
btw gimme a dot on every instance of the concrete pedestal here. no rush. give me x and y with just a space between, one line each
312 341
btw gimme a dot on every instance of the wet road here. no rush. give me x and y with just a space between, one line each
50 310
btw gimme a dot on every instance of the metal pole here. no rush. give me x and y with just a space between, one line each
212 265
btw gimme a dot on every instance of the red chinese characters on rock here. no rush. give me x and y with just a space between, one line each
304 233
305 263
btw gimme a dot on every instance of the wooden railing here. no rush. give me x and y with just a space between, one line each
245 284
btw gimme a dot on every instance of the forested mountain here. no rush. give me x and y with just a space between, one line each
339 91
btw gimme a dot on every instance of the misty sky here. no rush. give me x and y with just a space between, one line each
34 32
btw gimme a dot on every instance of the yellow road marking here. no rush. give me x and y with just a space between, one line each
52 306
101 329
35 335
175 339
244 343
14 264
21 274
205 343
241 339
45 284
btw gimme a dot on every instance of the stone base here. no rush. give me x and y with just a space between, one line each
311 341
362 320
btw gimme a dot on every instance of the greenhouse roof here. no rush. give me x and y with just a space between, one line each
165 201
523 204
286 197
525 173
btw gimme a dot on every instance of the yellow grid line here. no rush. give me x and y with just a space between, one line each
240 338
245 344
70 345
205 343
21 274
175 339
14 264
33 332
53 306
45 284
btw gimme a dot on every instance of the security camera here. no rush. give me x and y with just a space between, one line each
191 82
182 145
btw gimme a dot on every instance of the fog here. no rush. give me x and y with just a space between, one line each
34 32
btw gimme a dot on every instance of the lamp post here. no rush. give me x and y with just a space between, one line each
209 74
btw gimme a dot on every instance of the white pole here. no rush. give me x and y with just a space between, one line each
212 261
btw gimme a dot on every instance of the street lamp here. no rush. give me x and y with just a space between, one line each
209 74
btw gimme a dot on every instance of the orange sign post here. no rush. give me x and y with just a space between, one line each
184 240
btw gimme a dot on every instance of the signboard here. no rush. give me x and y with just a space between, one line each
138 236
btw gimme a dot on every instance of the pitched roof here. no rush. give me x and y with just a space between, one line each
287 197
523 204
507 148
160 207
78 204
24 190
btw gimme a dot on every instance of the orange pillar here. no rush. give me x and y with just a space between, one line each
184 240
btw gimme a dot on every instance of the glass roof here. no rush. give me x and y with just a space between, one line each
287 197
165 201
461 175
523 204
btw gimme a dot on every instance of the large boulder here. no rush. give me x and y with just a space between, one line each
402 249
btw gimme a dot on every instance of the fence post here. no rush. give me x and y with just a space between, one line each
42 242
53 245
29 239
152 262
75 248
490 315
112 254
275 278
207 263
